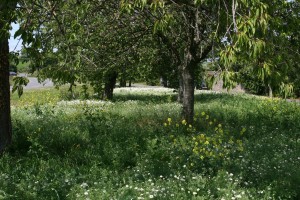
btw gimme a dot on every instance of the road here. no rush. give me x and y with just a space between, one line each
34 84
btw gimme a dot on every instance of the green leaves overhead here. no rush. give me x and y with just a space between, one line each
87 38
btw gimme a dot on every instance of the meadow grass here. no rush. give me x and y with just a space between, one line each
138 147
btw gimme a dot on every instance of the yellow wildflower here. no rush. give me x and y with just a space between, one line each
184 122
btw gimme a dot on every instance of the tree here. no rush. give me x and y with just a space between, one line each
6 17
192 29
271 69
10 11
89 42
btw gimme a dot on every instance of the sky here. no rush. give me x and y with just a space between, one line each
13 43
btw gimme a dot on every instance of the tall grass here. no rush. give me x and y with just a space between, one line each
138 147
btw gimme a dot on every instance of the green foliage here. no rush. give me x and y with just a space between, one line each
267 65
19 82
96 149
75 149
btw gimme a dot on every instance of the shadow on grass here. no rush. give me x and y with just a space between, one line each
165 98
146 98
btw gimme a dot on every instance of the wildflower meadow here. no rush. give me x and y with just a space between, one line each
137 147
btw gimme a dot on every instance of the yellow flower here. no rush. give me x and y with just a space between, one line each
165 124
220 125
203 113
184 122
169 120
206 142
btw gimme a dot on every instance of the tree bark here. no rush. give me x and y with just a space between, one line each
5 119
180 88
123 77
270 90
188 86
110 82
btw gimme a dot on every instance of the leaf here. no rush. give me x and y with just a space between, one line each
19 82
18 33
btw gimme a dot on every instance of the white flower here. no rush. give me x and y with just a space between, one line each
151 196
84 185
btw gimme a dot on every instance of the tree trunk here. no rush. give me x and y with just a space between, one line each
110 82
188 86
163 81
180 88
270 90
123 82
123 77
129 84
5 119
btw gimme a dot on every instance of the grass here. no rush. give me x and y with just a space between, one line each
23 67
137 147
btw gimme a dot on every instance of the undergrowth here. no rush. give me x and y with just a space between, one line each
137 147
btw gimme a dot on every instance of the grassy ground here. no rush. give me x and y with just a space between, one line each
136 147
23 67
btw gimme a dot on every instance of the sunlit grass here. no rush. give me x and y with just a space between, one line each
36 96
